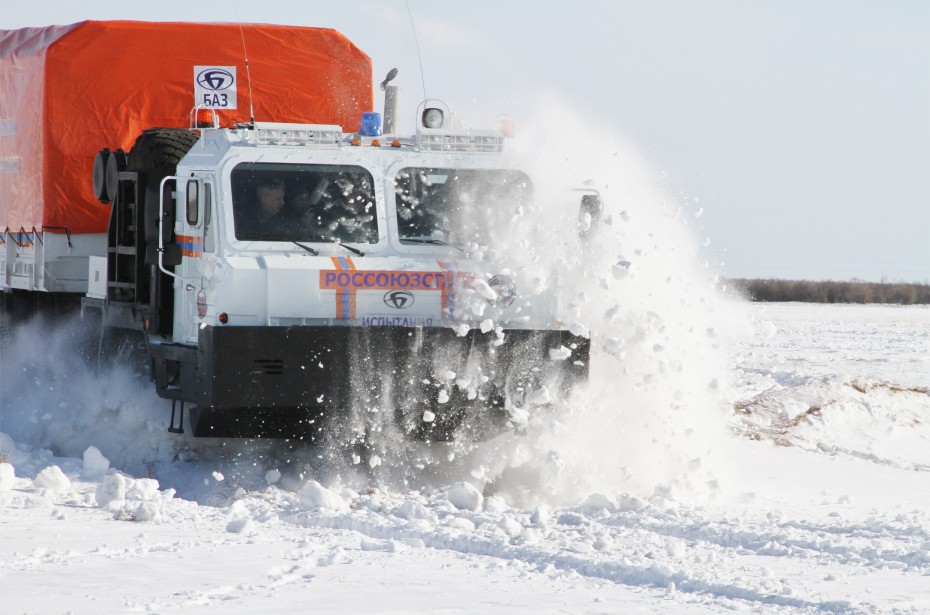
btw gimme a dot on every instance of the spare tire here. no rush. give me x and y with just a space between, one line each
157 151
156 154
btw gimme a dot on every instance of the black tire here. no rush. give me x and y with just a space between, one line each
124 348
156 154
157 151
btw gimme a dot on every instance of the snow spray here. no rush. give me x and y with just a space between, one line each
652 420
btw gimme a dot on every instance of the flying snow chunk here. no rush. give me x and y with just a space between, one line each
465 496
487 325
443 396
559 354
579 330
461 330
484 289
315 495
53 479
272 476
478 306
218 477
622 269
7 477
95 464
428 417
611 314
7 446
519 417
539 397
615 345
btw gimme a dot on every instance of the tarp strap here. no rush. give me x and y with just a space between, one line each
66 229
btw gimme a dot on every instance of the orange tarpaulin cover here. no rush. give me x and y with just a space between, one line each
66 92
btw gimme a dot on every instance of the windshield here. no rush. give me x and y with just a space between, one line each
458 205
304 202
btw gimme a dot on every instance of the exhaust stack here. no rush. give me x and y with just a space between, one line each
391 96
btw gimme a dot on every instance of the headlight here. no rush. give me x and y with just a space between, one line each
505 288
432 118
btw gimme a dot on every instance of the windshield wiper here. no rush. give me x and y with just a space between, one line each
350 248
312 251
431 241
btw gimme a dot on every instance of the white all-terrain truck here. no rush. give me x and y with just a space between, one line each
269 270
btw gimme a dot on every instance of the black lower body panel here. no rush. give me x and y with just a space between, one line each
430 379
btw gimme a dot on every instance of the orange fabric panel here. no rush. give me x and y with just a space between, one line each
22 124
105 82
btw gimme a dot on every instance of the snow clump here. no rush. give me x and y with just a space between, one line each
111 491
465 496
53 479
95 464
316 496
7 477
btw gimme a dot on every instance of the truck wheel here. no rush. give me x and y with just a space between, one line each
123 348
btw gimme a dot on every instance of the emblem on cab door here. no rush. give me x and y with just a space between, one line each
398 299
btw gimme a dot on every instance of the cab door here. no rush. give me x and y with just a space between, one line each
196 236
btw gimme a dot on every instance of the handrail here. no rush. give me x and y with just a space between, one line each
161 225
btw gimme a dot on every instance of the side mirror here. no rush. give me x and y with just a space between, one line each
172 255
165 217
589 214
193 202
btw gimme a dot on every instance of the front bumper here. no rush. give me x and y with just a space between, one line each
336 369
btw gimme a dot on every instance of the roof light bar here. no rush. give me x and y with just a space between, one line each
477 141
305 135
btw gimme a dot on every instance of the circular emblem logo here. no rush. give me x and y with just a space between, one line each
398 299
215 79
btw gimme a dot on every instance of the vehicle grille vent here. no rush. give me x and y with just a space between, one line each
269 367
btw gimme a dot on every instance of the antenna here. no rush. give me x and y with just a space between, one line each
417 41
248 75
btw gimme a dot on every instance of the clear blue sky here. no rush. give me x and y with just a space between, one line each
802 128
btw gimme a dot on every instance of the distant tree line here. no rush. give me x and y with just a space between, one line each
853 291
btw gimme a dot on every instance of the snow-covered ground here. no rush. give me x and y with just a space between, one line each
724 456
814 495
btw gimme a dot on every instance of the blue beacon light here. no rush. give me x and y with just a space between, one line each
371 124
